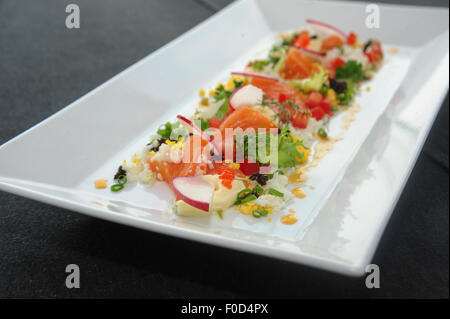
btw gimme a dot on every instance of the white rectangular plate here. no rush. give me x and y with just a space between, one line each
357 184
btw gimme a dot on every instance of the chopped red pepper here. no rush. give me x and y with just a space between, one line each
352 38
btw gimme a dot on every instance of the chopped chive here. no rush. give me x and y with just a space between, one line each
248 198
243 193
116 187
257 213
274 192
259 190
122 179
220 213
322 133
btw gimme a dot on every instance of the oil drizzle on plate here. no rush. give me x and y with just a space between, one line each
323 146
298 192
289 219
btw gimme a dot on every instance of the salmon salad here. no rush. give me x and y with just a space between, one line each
249 142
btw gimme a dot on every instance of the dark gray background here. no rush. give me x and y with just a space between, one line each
44 66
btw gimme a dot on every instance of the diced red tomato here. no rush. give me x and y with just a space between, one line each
338 62
282 98
318 113
249 168
214 122
301 119
325 104
331 42
352 38
296 65
313 99
374 52
302 40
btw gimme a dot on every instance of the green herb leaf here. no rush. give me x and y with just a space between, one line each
223 110
165 130
259 64
352 71
287 149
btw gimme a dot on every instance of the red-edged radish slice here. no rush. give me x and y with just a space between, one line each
190 127
313 53
247 95
324 30
254 75
194 190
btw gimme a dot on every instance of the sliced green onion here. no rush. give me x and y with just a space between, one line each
257 213
259 190
243 193
248 198
274 192
322 133
116 187
122 179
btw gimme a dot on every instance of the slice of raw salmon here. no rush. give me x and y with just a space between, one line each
244 118
191 163
275 89
296 66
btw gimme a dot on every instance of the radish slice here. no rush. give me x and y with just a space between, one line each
255 75
247 95
190 126
324 30
194 190
313 53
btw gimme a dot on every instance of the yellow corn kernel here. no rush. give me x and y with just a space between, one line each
248 208
201 92
234 165
331 95
205 101
152 153
101 183
230 85
170 143
212 93
136 160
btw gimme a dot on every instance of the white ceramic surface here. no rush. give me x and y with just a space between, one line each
340 221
